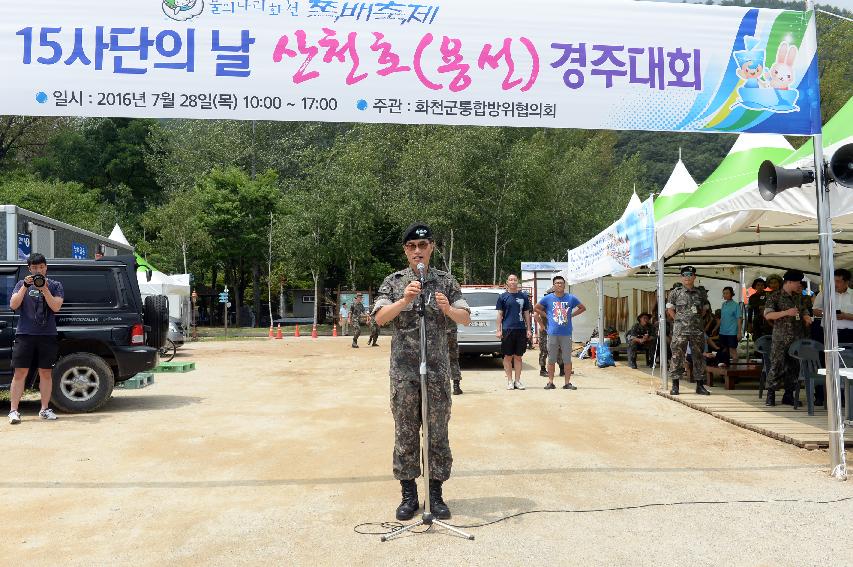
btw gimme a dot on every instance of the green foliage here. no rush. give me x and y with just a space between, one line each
68 202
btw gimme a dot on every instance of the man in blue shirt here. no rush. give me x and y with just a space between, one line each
731 321
558 308
513 329
36 299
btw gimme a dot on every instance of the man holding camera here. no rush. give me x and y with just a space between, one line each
396 303
36 299
641 337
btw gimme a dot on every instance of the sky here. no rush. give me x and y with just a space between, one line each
846 4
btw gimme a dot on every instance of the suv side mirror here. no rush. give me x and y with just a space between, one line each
148 274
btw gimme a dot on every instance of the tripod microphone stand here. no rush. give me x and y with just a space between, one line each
427 518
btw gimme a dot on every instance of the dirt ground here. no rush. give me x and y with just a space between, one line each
271 452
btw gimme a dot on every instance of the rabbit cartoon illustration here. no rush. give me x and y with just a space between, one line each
781 73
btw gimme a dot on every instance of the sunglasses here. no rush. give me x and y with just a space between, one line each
419 245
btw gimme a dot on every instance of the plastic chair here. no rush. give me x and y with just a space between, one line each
762 346
808 353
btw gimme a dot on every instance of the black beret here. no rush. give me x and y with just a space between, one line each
688 271
417 231
793 276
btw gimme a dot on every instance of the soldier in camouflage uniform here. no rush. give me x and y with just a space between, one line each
453 353
787 310
542 323
757 326
374 331
641 337
686 307
356 313
396 304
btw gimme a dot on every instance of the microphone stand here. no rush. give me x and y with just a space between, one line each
427 518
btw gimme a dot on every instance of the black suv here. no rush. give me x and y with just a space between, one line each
106 332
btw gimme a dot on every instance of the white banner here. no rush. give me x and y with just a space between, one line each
612 64
628 243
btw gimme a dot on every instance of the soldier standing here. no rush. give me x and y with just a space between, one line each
356 314
453 353
374 331
395 303
686 307
786 309
757 326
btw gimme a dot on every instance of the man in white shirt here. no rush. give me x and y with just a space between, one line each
343 320
843 306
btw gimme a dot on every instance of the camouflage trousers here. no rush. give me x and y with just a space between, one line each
406 408
543 349
355 326
374 332
784 370
679 355
453 352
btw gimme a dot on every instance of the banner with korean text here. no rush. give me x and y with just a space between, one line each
607 64
626 244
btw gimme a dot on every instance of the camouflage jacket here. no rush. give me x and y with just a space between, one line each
755 313
688 310
405 341
357 312
637 331
787 329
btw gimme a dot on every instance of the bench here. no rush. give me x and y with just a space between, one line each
733 372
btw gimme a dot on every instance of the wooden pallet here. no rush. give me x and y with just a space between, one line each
141 380
744 409
175 367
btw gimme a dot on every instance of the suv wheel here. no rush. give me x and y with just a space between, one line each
82 382
157 320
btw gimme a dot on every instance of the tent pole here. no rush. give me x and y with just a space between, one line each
743 307
664 375
601 311
827 267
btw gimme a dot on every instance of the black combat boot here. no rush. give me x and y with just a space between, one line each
543 372
674 391
410 504
436 503
771 398
700 389
633 363
456 389
562 369
788 398
354 344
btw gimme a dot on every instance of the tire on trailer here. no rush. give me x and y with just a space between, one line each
157 320
82 382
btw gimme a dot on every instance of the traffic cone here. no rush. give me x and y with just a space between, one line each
279 335
271 333
314 332
334 329
296 334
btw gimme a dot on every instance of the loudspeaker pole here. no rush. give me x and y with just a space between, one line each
827 269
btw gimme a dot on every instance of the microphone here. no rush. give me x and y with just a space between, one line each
421 275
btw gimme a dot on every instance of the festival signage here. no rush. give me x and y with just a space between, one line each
608 64
626 244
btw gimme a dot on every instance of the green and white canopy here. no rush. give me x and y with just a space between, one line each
726 222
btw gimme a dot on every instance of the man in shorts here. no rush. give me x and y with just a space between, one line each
559 308
513 329
36 299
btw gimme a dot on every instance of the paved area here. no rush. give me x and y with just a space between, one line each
271 452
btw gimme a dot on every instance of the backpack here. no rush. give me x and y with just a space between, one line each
603 356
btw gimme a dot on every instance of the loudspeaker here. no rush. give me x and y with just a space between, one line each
841 166
773 180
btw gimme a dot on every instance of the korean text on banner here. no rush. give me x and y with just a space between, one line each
608 64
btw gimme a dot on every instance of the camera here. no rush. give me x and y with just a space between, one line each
38 280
